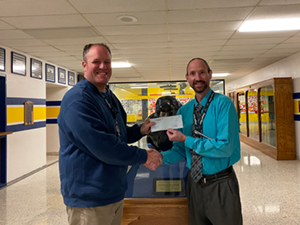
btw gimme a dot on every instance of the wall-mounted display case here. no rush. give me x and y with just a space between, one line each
266 117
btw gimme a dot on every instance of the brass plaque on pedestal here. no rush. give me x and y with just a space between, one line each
167 186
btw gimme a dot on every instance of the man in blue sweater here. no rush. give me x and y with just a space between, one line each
94 152
209 140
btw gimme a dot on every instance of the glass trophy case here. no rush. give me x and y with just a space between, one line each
140 102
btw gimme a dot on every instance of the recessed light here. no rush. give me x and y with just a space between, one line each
270 25
127 19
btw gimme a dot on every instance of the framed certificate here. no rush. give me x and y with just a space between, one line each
61 76
2 59
36 68
18 63
71 78
50 73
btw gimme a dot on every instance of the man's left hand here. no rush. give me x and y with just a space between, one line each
175 135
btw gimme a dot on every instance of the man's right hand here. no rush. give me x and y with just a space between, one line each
154 159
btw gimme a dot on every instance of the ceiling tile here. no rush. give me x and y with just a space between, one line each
295 39
53 53
35 7
279 2
248 47
207 27
279 12
136 38
141 45
144 51
112 19
36 22
201 36
13 34
196 4
62 33
255 41
133 30
195 44
208 15
96 6
22 42
33 49
5 26
75 41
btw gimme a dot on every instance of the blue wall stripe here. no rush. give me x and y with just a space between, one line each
53 103
51 121
297 117
296 95
21 127
20 101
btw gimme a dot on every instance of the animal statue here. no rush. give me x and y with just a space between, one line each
164 106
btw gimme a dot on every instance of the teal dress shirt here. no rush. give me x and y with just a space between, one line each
220 124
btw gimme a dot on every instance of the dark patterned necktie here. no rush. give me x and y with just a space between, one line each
196 160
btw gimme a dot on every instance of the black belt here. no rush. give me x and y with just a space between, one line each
216 176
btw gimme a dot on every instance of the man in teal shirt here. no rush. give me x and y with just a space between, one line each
211 135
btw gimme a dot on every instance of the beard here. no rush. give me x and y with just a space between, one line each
199 90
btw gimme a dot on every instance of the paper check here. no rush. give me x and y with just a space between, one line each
163 123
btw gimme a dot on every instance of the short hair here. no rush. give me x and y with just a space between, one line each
198 59
87 48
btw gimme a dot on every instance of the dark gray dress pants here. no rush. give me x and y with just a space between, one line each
214 203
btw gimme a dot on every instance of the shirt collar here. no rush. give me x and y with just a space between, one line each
205 99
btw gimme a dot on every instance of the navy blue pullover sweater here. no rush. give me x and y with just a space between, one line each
93 160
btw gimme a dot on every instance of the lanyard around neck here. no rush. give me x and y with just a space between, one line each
198 123
113 112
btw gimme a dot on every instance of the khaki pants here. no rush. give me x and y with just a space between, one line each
104 215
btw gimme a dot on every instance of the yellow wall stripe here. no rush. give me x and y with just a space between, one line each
16 114
52 112
39 113
296 106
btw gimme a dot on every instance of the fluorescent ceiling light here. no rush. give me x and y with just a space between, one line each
120 65
270 25
220 74
138 87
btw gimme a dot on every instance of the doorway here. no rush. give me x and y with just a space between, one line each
2 130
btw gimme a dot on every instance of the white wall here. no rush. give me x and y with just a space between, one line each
288 67
54 94
26 150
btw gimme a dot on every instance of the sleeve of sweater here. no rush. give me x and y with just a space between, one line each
84 127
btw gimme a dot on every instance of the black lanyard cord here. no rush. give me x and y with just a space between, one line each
113 112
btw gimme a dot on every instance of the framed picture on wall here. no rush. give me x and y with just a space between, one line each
61 76
36 68
2 59
71 78
50 73
18 63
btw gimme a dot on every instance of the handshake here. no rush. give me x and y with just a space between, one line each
154 159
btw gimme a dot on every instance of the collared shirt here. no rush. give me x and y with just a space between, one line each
220 124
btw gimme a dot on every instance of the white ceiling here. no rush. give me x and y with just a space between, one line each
166 35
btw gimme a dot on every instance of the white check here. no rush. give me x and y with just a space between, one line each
163 123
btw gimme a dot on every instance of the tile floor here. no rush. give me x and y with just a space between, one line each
270 193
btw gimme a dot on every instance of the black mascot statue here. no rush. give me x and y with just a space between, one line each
164 106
